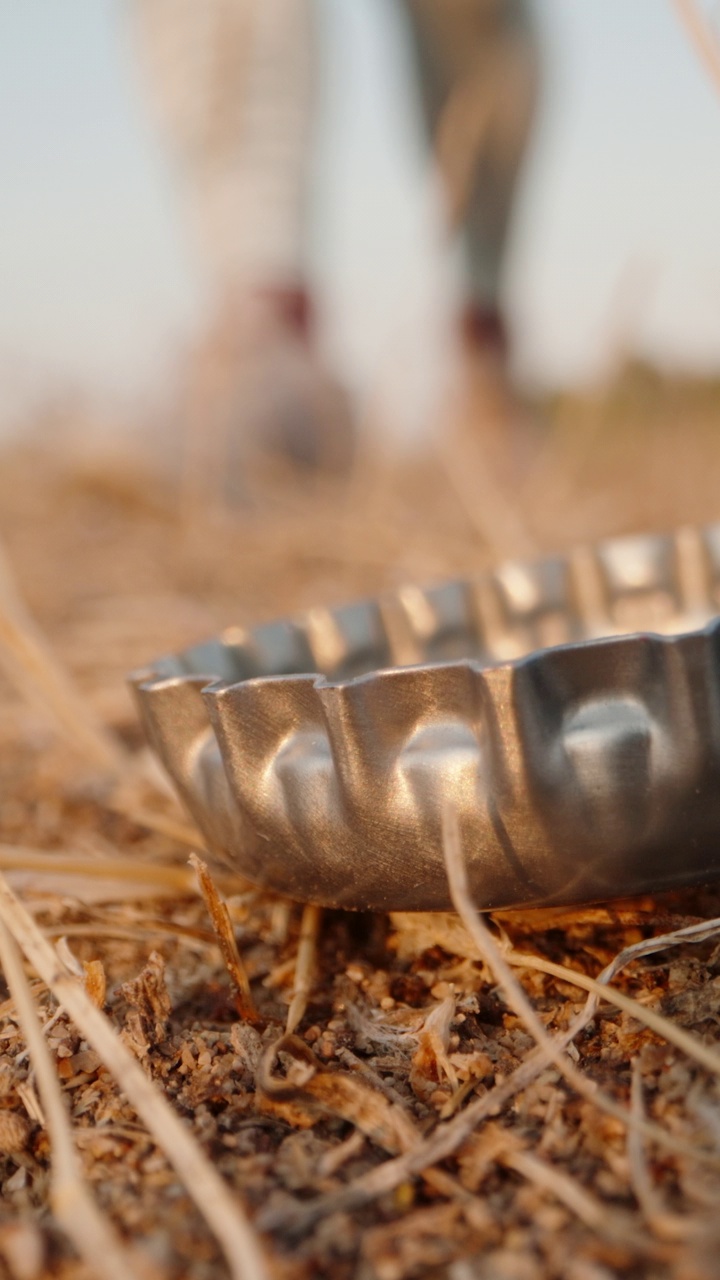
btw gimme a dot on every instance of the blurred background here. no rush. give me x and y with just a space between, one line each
250 365
249 362
234 294
615 234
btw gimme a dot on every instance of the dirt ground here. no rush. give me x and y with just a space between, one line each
609 1168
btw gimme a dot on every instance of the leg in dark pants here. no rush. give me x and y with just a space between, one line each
477 70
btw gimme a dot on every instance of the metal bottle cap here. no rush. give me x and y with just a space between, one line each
569 707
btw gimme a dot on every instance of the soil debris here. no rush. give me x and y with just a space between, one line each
379 1104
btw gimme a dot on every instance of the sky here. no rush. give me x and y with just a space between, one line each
616 240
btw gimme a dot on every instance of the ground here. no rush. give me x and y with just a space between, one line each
406 1026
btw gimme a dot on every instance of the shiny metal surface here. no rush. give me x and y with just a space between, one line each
584 761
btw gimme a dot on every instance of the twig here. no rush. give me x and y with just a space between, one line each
701 932
304 965
682 1039
666 1225
33 668
75 1209
7 1008
701 36
486 506
165 878
280 921
163 823
503 975
198 939
222 1211
225 936
582 1203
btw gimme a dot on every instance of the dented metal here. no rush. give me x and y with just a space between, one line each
570 708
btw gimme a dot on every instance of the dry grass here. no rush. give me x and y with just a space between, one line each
238 1087
702 35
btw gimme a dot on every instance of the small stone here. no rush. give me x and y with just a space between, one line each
14 1132
17 1182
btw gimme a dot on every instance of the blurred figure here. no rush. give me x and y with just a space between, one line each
233 82
477 65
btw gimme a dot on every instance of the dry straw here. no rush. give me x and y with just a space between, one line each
222 1211
72 1204
702 36
29 663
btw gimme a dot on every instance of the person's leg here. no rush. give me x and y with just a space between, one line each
233 85
477 71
